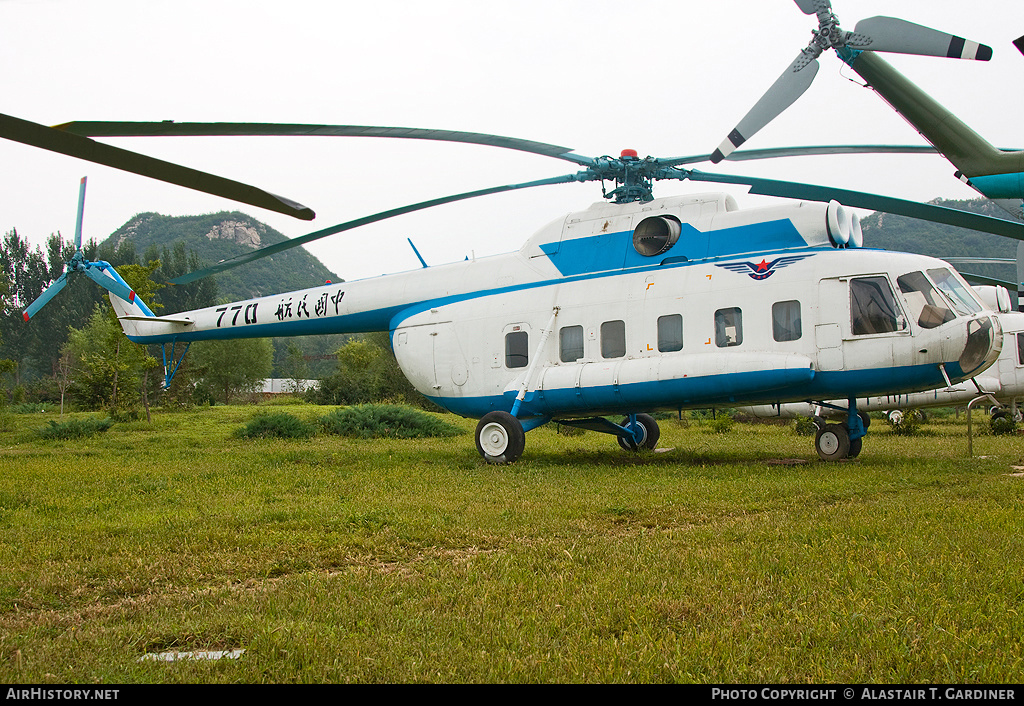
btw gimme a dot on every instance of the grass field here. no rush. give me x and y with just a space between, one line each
332 560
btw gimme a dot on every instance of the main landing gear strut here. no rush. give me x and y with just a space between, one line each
834 442
501 437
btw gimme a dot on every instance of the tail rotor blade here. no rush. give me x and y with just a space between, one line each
97 275
48 294
81 211
901 37
783 93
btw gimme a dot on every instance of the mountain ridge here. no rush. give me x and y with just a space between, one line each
221 236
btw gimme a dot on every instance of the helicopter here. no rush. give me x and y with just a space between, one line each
634 305
655 304
997 174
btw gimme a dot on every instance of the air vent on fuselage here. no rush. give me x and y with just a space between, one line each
655 235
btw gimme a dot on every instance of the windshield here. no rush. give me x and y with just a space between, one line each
924 304
963 301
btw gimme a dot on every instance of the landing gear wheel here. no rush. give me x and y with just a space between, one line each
832 442
855 445
864 419
649 434
500 438
895 417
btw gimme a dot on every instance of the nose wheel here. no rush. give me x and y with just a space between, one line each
500 438
645 433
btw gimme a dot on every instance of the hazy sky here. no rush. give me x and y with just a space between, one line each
664 78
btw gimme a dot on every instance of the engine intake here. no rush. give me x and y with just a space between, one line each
655 235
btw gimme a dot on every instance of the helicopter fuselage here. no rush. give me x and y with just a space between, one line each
681 302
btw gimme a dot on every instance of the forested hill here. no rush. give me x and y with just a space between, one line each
885 230
219 236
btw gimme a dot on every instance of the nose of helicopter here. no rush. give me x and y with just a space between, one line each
984 343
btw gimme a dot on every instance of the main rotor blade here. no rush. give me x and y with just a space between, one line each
47 295
874 202
81 212
809 151
981 279
810 7
1019 43
901 37
366 220
48 138
168 128
792 84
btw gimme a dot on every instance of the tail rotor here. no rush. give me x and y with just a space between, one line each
99 272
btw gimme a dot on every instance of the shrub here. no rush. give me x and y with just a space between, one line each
284 400
277 424
805 426
722 424
367 421
75 428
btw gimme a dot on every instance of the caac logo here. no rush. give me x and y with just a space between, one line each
763 269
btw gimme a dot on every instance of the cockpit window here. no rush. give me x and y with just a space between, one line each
956 291
873 307
924 304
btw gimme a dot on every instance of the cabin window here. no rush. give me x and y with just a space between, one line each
1020 349
786 323
949 284
570 344
613 339
728 327
670 333
873 307
517 352
924 304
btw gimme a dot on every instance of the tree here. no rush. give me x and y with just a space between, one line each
183 297
367 372
62 375
108 370
35 346
26 275
106 365
140 279
295 367
232 367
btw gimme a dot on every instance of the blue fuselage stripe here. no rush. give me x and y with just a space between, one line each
762 387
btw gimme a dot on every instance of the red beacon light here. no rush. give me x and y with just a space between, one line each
629 153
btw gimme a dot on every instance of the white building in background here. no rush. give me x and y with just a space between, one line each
280 386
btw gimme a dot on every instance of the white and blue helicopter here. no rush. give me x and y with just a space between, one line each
634 305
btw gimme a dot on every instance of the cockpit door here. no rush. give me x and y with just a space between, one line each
832 322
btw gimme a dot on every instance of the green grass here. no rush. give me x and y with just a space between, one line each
343 560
